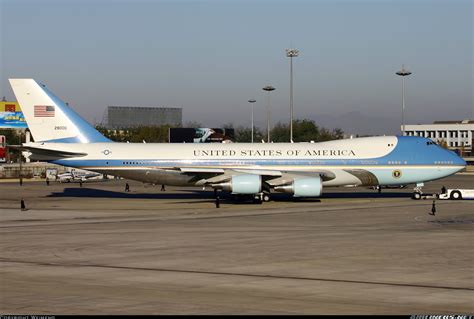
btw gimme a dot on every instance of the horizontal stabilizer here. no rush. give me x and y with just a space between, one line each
41 154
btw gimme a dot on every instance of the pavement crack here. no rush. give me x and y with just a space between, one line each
221 273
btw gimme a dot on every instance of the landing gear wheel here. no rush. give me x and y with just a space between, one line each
266 197
257 199
456 195
416 195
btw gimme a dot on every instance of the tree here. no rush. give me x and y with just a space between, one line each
12 138
244 135
280 133
304 131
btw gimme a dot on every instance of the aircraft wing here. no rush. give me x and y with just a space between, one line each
271 177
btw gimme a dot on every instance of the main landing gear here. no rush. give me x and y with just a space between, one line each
257 198
261 197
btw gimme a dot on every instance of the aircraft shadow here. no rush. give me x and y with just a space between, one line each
85 192
373 194
100 193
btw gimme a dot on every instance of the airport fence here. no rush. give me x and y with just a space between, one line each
28 170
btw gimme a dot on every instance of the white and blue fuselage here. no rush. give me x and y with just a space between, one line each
385 160
302 169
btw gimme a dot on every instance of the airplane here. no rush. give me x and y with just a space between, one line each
63 137
78 176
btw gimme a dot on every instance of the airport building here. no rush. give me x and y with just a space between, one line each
120 117
455 135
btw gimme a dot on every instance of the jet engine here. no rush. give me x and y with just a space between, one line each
242 184
303 187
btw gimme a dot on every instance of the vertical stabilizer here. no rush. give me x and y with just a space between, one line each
50 119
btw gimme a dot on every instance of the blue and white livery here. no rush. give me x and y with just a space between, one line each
302 169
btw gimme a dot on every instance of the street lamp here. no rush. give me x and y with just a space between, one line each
291 53
403 73
252 101
20 173
268 88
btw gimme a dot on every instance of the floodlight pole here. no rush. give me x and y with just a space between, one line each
20 173
268 88
403 73
252 101
291 53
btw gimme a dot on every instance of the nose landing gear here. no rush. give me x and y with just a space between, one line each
417 191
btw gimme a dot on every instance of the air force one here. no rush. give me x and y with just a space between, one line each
301 169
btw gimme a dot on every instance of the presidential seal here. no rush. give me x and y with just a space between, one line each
396 173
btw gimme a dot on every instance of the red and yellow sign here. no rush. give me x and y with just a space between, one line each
9 107
11 116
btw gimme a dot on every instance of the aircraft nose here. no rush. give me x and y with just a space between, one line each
461 161
457 160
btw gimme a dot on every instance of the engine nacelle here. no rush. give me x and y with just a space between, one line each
304 187
242 184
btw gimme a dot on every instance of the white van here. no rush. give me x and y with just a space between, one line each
457 194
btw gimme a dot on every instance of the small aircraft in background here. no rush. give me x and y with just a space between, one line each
78 176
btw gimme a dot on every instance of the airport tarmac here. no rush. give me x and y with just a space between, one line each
98 250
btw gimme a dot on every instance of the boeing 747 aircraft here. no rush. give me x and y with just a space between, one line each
301 169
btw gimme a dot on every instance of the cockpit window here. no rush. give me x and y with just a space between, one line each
430 143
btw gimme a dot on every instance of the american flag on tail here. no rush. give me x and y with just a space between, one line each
44 111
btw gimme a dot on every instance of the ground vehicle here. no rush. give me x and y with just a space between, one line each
457 194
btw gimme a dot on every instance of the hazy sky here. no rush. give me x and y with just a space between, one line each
210 57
